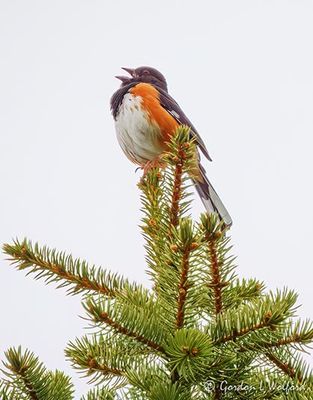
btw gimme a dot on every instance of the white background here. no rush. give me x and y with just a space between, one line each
241 70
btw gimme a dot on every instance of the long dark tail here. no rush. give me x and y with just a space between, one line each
210 199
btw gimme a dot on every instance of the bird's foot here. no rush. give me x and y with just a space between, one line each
156 163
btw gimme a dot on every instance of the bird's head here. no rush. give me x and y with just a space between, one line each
144 74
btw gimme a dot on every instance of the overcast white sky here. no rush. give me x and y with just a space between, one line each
241 70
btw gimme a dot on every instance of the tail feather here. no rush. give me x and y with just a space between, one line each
210 199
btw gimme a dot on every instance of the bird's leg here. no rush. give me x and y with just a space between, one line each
157 162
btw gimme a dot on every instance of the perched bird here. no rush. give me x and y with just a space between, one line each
145 118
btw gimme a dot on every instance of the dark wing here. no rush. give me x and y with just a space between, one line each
173 108
118 96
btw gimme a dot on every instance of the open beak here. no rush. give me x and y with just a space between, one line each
131 71
126 79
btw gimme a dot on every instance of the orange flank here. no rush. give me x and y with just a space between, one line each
158 114
167 123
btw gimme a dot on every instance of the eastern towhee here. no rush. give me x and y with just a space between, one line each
145 118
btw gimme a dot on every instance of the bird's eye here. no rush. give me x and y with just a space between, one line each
145 72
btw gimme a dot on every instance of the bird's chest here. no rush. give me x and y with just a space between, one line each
138 135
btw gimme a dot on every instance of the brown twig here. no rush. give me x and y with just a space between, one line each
217 393
25 259
31 391
281 342
177 190
285 367
121 329
182 289
83 283
215 283
236 334
94 365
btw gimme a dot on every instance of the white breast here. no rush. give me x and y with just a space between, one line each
136 134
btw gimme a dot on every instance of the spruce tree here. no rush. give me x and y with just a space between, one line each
200 332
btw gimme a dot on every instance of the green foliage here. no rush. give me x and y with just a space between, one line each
99 394
26 378
190 353
55 266
200 332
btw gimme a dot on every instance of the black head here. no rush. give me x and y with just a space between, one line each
144 74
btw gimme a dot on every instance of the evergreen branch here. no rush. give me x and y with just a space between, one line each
285 367
216 278
220 267
159 390
179 297
163 205
186 244
242 291
243 331
56 266
29 379
266 384
266 312
146 377
104 369
285 341
299 334
176 196
151 198
297 393
181 158
9 393
180 155
99 394
60 386
108 359
291 365
24 370
102 359
99 315
120 329
191 353
138 321
155 227
169 391
182 289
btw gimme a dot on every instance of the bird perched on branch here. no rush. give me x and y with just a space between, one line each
145 118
